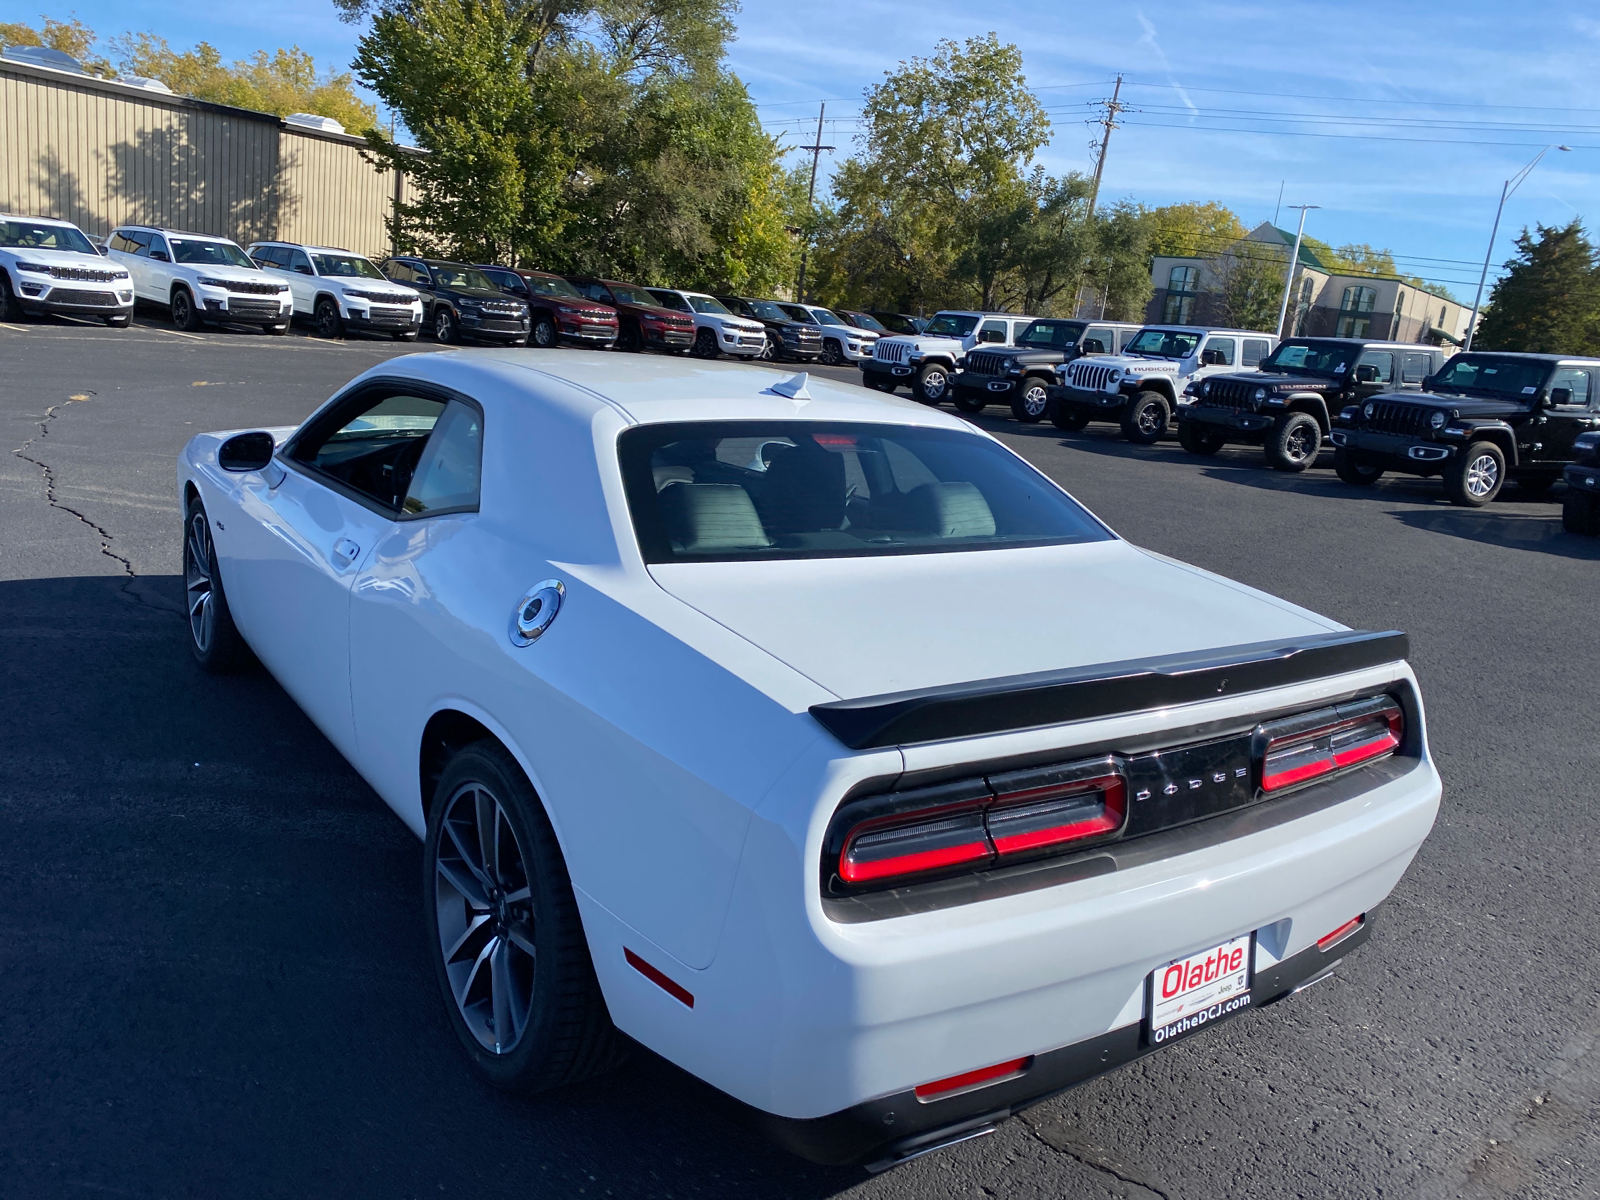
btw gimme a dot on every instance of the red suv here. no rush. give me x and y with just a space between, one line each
644 321
561 313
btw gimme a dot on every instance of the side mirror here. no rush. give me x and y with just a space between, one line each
302 269
1366 373
1212 358
246 452
1560 396
1427 383
991 335
160 256
1092 346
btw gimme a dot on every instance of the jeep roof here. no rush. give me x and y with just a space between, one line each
1213 329
1531 357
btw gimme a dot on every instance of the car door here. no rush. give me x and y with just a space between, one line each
1415 366
1103 335
1577 412
302 279
309 524
132 247
1382 364
995 332
159 270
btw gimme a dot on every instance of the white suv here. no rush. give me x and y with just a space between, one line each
842 342
50 266
925 360
717 330
339 290
1140 388
200 278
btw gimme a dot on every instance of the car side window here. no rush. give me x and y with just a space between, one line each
508 281
398 271
1255 349
446 476
158 244
299 263
992 331
1576 381
671 300
128 243
1124 336
1415 367
1102 334
1383 360
374 445
1226 347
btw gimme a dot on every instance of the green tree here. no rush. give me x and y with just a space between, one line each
1548 301
1193 230
71 36
282 82
1248 288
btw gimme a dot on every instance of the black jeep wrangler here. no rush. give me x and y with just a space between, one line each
1580 509
1491 414
1287 406
1018 375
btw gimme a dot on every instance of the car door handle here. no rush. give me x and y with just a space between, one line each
345 551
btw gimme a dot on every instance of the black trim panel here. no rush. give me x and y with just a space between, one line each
884 1132
1107 689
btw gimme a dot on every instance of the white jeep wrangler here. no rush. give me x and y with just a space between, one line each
925 360
1139 389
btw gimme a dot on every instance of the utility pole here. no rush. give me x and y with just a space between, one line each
1506 189
1112 107
816 149
1294 263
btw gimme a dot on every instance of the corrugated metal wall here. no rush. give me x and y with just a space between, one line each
101 154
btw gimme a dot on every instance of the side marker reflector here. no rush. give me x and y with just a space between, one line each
1329 941
971 1080
677 991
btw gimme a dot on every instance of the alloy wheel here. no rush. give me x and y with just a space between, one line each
1150 419
934 384
198 582
1483 476
1297 447
544 333
485 918
1033 401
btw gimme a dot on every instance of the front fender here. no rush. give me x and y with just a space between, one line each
1498 432
1310 402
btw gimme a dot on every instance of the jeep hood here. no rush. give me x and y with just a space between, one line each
1467 406
64 258
866 626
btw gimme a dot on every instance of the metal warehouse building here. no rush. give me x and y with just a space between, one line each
101 154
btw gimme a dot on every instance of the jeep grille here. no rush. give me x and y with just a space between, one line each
1229 393
987 364
1388 417
1088 376
890 352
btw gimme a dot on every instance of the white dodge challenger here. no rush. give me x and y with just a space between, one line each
809 737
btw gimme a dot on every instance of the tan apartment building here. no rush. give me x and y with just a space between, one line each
1189 290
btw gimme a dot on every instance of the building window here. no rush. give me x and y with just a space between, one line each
1354 327
1356 302
1182 284
1441 316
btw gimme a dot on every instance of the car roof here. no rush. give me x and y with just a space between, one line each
1345 341
1529 356
648 389
1211 329
305 246
162 229
5 216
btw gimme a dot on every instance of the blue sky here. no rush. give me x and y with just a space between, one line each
1401 121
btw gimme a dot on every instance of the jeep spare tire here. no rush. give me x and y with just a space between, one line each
1145 419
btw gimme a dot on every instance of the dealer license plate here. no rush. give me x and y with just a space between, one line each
1191 993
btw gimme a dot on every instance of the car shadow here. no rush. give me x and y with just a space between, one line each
214 940
1541 532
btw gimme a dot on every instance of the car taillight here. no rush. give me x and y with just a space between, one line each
973 823
967 1081
1312 745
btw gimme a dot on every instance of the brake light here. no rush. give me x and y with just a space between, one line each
911 845
1316 744
1052 815
969 1080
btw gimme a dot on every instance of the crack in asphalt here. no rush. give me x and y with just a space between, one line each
50 480
1096 1158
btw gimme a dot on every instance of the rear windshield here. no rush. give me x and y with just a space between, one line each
1501 376
721 491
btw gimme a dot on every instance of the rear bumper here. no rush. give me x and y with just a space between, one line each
890 1130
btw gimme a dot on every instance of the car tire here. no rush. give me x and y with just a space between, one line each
1064 416
120 322
968 401
528 963
213 637
185 315
1029 403
932 383
409 335
1476 475
10 309
1198 440
543 334
1146 418
445 330
328 322
629 339
773 350
277 330
1580 513
832 353
1352 470
1294 442
705 344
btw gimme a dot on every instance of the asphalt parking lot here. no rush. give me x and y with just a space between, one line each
212 978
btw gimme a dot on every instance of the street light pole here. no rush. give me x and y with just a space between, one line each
1294 262
1506 189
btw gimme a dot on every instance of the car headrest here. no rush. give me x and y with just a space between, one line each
803 490
951 510
705 518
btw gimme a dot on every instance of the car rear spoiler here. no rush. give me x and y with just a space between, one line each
1083 693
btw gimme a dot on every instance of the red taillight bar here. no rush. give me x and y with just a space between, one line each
1308 747
1329 941
909 845
971 1080
1051 816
